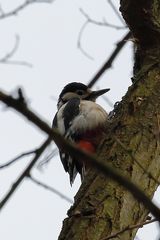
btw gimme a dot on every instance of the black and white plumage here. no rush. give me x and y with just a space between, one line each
79 119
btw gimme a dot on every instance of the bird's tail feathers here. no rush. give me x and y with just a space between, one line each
72 170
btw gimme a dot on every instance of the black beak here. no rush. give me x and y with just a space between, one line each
95 94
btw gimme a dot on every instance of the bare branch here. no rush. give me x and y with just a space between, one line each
6 59
89 20
51 189
104 23
24 173
47 159
116 11
139 225
73 150
79 44
15 11
110 60
17 158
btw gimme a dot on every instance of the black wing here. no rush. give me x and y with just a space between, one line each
63 156
70 111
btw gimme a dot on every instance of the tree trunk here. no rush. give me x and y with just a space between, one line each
103 207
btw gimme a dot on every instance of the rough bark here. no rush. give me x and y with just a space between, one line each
103 207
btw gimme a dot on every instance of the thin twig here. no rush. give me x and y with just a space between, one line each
13 50
115 11
47 159
24 173
14 12
51 189
6 59
139 225
73 150
17 158
21 7
129 152
89 20
104 23
79 42
110 60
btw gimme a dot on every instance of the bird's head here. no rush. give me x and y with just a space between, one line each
78 90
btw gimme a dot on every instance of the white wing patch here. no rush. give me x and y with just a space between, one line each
60 120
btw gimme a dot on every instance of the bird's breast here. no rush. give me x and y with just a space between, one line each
91 115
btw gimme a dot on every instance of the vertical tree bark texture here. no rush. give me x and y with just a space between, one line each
103 207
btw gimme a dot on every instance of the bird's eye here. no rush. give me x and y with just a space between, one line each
80 92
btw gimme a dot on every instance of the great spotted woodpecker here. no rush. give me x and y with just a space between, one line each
80 120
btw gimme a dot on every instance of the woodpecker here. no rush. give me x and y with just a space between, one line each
81 120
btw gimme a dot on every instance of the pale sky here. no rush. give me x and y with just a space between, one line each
48 40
